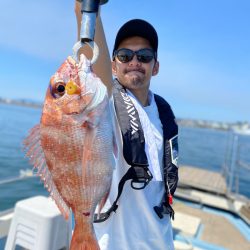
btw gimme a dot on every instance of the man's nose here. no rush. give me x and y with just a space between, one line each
134 60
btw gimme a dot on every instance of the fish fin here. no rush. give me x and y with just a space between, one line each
83 239
34 151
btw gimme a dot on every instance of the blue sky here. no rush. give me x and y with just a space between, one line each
204 50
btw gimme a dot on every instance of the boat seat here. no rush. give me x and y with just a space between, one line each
37 224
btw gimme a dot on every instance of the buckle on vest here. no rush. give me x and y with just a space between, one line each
141 177
164 208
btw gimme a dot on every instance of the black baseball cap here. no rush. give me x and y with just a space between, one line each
137 27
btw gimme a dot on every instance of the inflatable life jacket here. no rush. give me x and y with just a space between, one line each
134 150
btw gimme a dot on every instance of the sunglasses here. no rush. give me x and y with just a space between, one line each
127 55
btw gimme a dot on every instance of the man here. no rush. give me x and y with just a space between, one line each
142 218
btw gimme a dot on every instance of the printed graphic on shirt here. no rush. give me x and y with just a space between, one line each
174 150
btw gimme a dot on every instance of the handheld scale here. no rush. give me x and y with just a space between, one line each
90 9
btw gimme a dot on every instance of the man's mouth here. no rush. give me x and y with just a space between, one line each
135 70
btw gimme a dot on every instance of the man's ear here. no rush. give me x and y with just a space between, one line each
155 68
114 69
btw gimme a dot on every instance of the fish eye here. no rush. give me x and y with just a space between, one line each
60 89
57 89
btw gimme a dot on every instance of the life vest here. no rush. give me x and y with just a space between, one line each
134 150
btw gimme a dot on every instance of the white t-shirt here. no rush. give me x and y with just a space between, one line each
135 225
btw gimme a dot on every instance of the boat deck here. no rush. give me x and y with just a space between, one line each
202 179
209 188
205 208
214 228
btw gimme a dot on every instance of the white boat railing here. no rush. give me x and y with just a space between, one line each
233 162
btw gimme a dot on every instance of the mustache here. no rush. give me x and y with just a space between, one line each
134 69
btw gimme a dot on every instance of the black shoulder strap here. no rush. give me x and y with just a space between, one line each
133 147
130 125
170 172
170 128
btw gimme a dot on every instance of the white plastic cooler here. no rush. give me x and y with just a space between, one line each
37 224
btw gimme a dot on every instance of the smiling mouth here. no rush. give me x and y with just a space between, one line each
135 70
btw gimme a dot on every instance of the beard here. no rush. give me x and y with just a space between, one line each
134 76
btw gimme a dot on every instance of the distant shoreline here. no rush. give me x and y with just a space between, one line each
237 127
21 103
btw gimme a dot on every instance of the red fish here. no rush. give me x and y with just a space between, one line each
72 147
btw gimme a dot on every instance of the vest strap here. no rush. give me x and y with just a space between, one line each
139 175
164 208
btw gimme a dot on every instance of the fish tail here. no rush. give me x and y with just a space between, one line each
83 239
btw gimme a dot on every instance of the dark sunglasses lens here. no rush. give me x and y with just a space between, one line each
124 55
145 55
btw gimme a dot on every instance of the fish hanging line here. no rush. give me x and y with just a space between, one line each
88 23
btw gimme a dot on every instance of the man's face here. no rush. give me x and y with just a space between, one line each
135 75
